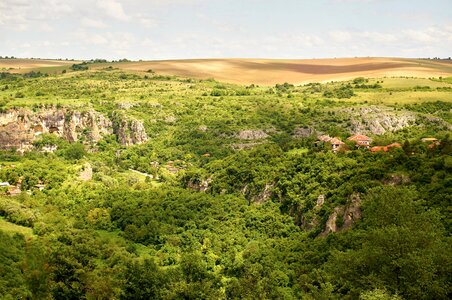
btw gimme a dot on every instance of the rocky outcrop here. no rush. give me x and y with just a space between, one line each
252 134
343 217
320 201
265 194
199 185
20 127
396 179
15 135
377 120
131 132
87 173
302 132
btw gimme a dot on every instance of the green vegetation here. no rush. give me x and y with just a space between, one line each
223 200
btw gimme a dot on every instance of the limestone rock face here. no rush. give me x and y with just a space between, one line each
265 194
200 185
302 132
343 217
20 127
131 132
377 120
252 134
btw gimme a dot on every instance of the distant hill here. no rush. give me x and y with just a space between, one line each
263 71
23 65
272 71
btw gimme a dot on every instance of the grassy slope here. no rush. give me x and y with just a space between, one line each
12 228
77 89
21 65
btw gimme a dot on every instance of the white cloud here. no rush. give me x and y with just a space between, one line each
340 36
192 28
46 27
352 1
146 22
90 38
91 23
378 37
113 9
418 35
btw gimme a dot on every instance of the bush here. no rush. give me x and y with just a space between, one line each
74 152
19 95
79 67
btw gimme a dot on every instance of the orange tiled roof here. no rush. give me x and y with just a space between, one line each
336 141
324 138
358 137
385 148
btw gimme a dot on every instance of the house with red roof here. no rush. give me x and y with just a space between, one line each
336 143
360 140
385 148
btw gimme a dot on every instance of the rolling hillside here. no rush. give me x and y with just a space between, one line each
23 65
260 71
272 71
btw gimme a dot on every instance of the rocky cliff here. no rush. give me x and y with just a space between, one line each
344 216
131 132
20 127
378 120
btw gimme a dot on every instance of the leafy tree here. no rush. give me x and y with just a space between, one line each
400 246
74 151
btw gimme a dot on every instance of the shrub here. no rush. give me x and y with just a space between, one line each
74 152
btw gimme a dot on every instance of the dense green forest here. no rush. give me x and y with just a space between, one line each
232 196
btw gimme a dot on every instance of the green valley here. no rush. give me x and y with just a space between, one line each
125 184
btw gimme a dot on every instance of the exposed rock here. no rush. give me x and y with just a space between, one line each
126 105
20 127
252 134
439 121
87 173
200 186
309 223
131 132
265 194
376 120
302 132
170 119
49 148
343 217
352 212
396 180
202 128
331 223
15 135
320 201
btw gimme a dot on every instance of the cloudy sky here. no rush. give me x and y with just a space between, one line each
166 29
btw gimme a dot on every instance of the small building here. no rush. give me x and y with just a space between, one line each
429 140
13 191
336 143
385 148
2 184
325 138
360 140
40 186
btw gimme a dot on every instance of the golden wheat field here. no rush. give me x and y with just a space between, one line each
259 71
272 71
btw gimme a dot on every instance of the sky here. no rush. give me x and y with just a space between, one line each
177 29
